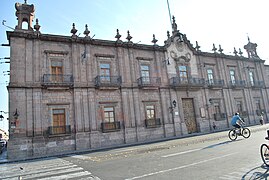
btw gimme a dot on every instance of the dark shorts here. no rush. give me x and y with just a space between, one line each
236 126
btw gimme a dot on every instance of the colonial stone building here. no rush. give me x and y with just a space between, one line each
70 93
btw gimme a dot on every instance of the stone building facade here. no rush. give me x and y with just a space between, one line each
70 93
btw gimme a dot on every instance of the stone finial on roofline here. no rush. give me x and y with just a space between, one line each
214 48
86 32
235 52
37 26
154 40
129 37
240 52
118 36
197 47
220 49
73 30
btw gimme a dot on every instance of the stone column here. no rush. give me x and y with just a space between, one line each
29 113
78 112
37 97
86 113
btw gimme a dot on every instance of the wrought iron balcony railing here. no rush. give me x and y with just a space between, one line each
215 83
57 80
220 116
187 82
108 81
237 83
257 84
55 130
149 81
110 126
151 123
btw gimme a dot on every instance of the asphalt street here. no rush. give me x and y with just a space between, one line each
211 156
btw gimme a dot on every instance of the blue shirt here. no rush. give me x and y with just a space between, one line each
235 118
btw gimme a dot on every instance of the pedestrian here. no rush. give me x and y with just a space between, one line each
261 118
214 126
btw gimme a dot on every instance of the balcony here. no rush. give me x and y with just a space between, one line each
108 82
215 83
237 84
220 116
149 82
57 130
187 83
110 126
153 123
57 80
257 84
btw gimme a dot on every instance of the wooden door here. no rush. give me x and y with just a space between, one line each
59 121
189 115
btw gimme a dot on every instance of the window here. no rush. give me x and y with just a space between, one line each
145 73
232 76
109 123
258 104
210 76
109 114
239 106
57 71
105 72
150 112
151 121
217 108
251 78
59 122
183 74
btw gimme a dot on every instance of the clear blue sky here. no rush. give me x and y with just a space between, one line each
225 22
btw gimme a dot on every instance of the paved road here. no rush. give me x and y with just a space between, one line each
206 157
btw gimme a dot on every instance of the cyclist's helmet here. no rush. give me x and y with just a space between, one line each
236 113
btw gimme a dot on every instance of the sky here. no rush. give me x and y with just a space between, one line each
228 23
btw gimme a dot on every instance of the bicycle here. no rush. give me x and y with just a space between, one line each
235 132
265 151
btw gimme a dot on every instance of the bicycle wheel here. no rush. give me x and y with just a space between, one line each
265 154
232 135
245 132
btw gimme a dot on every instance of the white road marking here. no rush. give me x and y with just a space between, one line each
67 176
180 167
184 152
47 168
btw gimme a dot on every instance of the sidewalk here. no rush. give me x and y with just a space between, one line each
185 140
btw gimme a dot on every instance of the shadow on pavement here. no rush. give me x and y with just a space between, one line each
220 144
260 172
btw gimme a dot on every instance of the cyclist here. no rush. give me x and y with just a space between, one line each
236 121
